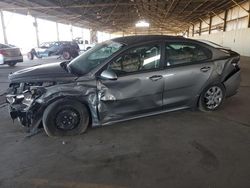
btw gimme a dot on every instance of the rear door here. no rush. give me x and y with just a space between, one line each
139 86
188 68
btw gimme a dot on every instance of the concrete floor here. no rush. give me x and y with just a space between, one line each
180 149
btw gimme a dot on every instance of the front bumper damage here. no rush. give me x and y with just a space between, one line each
28 116
25 108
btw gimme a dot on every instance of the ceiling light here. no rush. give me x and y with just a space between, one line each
142 23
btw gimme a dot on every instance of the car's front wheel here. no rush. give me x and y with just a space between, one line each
212 97
65 118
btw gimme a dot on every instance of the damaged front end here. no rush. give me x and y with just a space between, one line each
23 103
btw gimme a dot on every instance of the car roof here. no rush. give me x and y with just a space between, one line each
130 40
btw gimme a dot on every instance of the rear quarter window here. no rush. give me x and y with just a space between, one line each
185 53
4 46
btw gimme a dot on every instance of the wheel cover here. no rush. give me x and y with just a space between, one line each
213 97
67 119
66 55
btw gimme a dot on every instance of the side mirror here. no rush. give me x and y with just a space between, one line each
108 75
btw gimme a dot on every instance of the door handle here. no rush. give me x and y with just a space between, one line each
205 69
156 77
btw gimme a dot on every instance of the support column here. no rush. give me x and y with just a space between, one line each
36 29
193 31
4 28
200 28
71 31
57 32
93 36
225 21
210 24
248 13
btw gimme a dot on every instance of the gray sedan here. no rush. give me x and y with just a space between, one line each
122 79
10 55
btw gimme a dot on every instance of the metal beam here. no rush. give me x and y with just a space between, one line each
67 6
239 5
210 24
225 20
249 14
193 30
204 21
4 28
217 15
200 28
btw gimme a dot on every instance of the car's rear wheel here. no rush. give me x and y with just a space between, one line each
212 97
30 56
65 118
12 64
66 55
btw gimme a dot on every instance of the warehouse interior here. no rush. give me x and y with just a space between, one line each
178 149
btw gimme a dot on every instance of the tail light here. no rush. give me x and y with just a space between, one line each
236 61
3 52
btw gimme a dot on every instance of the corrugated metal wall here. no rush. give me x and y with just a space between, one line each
236 34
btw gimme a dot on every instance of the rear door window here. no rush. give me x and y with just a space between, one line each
184 54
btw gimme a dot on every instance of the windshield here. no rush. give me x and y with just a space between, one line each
93 57
46 44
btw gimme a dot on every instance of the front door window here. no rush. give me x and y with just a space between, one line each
136 60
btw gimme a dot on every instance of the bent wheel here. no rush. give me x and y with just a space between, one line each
65 118
212 97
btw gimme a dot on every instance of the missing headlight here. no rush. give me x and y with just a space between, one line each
27 98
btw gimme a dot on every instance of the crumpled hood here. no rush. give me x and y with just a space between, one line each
46 72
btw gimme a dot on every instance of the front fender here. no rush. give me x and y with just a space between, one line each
86 95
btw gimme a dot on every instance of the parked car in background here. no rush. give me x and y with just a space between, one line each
65 49
121 79
10 55
84 45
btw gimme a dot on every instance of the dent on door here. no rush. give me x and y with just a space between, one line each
112 98
128 96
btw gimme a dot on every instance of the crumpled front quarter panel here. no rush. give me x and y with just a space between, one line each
84 92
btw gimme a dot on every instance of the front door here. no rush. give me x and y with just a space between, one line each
139 86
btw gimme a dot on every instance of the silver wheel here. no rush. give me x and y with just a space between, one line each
213 97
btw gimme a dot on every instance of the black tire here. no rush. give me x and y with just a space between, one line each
30 56
213 101
88 48
12 64
66 55
74 113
